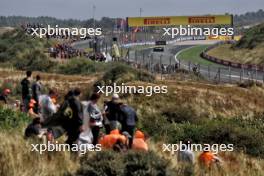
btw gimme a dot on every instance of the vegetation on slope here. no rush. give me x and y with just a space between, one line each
248 50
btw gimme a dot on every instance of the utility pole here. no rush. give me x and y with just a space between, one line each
94 41
94 8
144 28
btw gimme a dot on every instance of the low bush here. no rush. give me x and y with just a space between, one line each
245 135
120 73
10 120
108 163
249 84
252 38
81 66
24 52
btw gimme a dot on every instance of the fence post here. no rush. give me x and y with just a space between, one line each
161 67
189 65
243 73
256 73
209 75
219 74
128 55
229 70
263 74
136 56
148 62
240 76
171 68
143 57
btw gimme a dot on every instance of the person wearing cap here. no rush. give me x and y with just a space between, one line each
96 117
26 90
4 95
112 111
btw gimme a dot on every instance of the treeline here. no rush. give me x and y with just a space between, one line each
249 18
15 21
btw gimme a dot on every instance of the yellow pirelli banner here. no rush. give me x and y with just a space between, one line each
224 38
180 20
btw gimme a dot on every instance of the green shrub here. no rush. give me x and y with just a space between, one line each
240 133
10 120
81 66
180 114
107 163
252 38
24 51
121 73
35 61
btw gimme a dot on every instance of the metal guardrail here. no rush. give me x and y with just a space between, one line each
226 62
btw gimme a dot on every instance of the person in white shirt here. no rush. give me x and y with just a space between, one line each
47 105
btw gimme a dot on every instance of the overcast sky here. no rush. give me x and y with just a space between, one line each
82 9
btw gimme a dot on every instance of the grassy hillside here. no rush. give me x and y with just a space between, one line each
196 110
249 50
202 112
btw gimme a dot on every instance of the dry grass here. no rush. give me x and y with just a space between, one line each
214 100
206 99
234 163
58 81
16 158
244 56
5 29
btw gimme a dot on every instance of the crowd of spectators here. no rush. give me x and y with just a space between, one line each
65 51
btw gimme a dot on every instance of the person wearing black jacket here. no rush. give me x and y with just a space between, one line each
112 112
74 124
26 91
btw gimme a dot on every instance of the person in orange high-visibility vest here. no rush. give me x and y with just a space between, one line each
207 159
31 106
139 143
108 141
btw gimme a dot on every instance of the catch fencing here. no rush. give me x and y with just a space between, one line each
166 64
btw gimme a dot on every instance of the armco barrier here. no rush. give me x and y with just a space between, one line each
225 62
